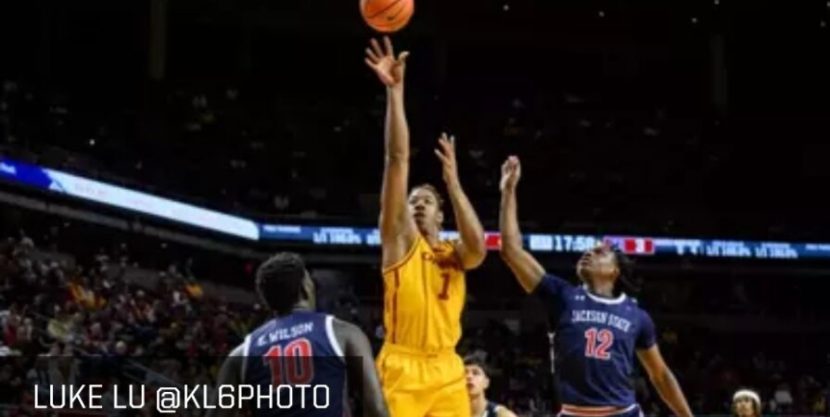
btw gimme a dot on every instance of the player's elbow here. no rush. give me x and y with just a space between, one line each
397 157
509 251
474 259
480 245
480 257
662 378
477 250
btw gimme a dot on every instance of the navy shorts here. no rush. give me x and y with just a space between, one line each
633 410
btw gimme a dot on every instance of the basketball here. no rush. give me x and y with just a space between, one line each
387 16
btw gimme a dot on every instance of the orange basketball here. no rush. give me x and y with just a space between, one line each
387 16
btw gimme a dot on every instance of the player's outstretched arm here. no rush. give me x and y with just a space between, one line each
361 368
397 229
229 374
471 249
525 267
664 381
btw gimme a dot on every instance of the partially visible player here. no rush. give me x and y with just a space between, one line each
478 381
746 403
423 275
299 346
598 330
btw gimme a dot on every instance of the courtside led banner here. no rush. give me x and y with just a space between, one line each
100 192
103 193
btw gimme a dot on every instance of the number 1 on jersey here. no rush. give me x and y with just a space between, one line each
445 289
605 337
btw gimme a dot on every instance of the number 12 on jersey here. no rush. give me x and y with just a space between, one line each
605 338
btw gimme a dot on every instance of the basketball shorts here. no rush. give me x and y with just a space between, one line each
579 411
420 384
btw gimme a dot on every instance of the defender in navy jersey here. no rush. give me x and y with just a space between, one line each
478 381
598 329
299 347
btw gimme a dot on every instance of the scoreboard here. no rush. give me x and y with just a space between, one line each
571 243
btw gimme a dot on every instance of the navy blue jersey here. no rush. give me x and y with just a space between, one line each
595 342
296 350
491 410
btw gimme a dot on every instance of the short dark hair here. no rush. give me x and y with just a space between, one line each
279 280
431 188
474 360
628 281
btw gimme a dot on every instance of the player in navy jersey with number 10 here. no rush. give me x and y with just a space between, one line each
598 330
300 347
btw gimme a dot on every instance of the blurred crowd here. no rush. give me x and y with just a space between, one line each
56 305
53 310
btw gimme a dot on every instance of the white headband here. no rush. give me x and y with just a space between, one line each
747 393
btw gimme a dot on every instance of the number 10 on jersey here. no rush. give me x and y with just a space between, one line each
292 364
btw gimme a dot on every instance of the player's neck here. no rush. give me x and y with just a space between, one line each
477 405
431 238
299 308
603 289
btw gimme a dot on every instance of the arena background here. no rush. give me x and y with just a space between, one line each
641 122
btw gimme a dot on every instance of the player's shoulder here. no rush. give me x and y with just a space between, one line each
552 285
447 254
406 255
348 336
340 325
239 350
264 327
637 309
502 411
553 278
346 331
635 303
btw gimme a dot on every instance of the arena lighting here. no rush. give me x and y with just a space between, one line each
87 189
92 190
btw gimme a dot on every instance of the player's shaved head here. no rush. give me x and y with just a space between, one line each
283 283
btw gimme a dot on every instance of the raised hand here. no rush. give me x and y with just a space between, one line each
390 70
511 171
447 156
